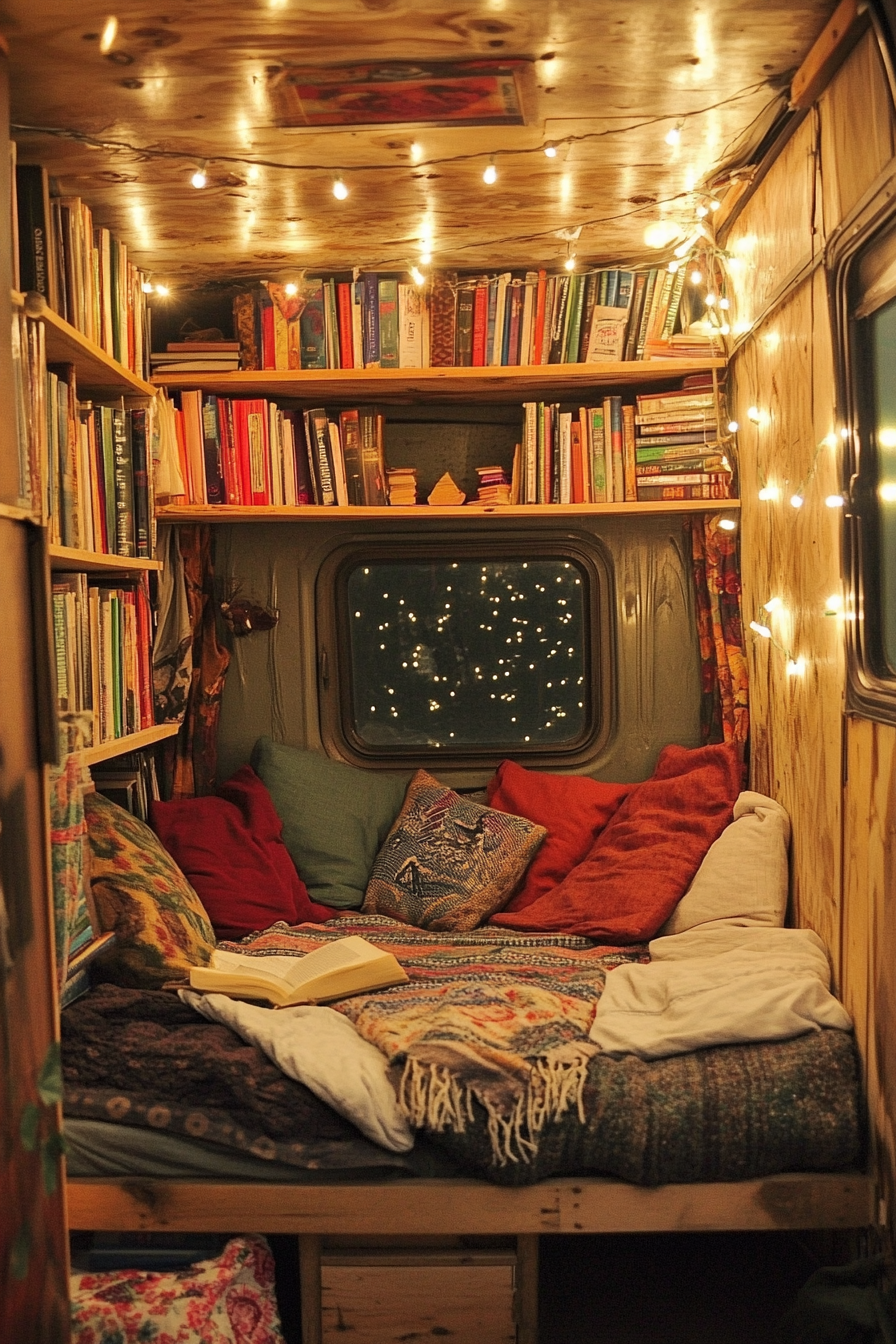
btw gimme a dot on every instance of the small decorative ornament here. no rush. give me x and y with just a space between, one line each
245 617
446 493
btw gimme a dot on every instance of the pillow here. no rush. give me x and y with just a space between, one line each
743 879
230 1299
447 863
231 850
642 862
160 925
335 817
572 808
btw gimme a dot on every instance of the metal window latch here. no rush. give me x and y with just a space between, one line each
324 669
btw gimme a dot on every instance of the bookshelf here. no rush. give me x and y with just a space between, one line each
97 562
147 737
98 373
284 513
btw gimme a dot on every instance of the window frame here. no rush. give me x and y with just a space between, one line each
871 685
334 656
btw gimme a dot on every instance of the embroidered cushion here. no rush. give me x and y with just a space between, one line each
228 1300
335 817
646 856
160 925
572 808
231 850
447 864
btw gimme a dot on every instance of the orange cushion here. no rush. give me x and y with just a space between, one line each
643 861
573 810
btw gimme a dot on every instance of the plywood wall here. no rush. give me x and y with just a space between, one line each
836 775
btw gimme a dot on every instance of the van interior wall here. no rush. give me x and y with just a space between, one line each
836 776
271 685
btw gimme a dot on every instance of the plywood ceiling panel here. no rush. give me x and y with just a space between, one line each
605 81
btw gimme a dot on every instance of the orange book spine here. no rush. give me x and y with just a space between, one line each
577 463
344 322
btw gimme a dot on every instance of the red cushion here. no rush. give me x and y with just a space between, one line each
573 810
643 861
231 849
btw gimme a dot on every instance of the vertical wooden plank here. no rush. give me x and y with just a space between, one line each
309 1286
851 162
527 1247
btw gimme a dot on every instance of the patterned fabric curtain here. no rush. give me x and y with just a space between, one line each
69 846
191 758
724 708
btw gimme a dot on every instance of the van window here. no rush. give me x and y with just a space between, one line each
440 654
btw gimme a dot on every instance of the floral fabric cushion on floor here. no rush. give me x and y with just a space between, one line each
229 1300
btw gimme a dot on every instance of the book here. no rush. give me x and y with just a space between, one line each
410 327
312 329
344 305
348 966
37 265
442 321
388 302
370 330
464 333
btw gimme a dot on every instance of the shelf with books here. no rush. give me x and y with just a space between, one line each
96 562
286 513
146 737
97 372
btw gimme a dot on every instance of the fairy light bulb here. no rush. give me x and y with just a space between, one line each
710 300
725 303
773 604
199 179
674 267
570 263
340 190
754 414
835 501
696 277
834 604
163 290
147 287
762 630
550 151
887 492
673 135
417 276
769 492
727 524
290 289
796 501
715 205
796 667
702 211
733 426
490 176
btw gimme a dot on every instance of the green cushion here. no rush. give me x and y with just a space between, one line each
335 817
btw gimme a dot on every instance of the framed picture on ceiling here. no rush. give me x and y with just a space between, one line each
398 93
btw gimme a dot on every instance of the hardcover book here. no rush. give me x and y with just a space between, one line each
442 321
388 302
349 966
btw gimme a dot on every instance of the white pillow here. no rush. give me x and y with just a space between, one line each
743 879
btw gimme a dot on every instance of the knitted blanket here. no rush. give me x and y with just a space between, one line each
490 1016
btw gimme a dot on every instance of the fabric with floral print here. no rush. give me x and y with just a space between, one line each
228 1300
69 846
160 923
724 708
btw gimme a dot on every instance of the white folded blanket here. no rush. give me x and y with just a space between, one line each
320 1048
718 986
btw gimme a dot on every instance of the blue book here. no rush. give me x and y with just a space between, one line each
612 289
313 330
371 320
624 295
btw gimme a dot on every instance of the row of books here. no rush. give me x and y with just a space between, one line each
81 269
678 453
250 452
380 321
102 636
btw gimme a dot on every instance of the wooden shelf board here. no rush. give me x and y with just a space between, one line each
447 384
96 562
106 751
286 513
97 372
17 515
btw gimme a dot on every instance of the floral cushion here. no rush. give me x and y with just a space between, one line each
160 924
447 863
228 1300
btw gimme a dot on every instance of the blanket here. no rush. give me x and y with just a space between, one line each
718 986
494 1017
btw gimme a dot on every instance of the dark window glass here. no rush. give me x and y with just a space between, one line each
478 654
882 333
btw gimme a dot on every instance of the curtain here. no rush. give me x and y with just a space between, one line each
191 758
724 707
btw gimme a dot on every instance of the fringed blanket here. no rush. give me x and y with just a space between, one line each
491 1016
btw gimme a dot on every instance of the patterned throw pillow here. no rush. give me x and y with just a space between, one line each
447 864
229 1300
160 924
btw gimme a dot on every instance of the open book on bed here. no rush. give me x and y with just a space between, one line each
349 966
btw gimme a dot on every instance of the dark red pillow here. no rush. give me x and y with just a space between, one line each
572 808
643 861
231 849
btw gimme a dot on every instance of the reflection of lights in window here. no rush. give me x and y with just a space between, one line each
885 437
887 492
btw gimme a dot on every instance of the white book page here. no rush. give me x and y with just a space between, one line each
295 971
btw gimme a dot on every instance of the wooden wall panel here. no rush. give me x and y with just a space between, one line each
772 238
793 555
852 161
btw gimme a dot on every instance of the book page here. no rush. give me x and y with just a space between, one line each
292 972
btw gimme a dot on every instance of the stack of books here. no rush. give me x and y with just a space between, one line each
677 450
197 357
494 487
402 485
102 637
446 493
382 321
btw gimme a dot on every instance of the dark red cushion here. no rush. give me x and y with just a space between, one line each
231 849
573 810
643 861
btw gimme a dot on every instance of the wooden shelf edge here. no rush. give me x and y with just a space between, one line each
16 514
147 737
96 562
96 370
285 513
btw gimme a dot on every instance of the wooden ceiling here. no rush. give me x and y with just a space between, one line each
198 82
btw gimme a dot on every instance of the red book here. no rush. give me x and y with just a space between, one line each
268 341
229 465
182 457
241 441
344 321
480 325
259 452
538 324
578 465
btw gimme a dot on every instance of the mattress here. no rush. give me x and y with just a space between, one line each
166 1093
